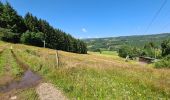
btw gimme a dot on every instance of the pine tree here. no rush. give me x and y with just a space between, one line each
11 20
31 22
1 11
38 30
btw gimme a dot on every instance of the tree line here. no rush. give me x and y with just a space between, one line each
149 50
33 31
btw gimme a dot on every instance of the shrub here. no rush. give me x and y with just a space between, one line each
165 47
8 36
32 38
97 50
125 51
164 63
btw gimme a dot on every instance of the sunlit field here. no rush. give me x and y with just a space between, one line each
91 76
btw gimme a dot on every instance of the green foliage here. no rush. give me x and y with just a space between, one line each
11 20
54 38
115 43
97 50
164 63
31 22
149 50
32 38
125 51
165 47
7 35
1 10
38 30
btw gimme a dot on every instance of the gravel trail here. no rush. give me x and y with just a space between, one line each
47 91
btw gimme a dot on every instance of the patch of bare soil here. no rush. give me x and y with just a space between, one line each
9 95
5 79
47 91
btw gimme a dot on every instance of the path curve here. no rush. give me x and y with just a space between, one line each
47 91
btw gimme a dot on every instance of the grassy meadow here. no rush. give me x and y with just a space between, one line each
93 76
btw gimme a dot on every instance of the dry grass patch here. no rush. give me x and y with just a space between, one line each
98 77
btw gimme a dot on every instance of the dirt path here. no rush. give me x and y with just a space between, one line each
47 91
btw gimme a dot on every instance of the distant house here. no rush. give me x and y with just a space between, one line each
147 59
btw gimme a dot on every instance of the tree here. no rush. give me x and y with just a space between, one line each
1 7
84 48
149 50
163 63
8 36
149 45
31 22
136 52
32 38
125 51
1 11
165 45
129 51
38 30
11 20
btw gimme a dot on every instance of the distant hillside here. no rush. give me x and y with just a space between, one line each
114 43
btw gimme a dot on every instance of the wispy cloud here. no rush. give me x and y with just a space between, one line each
84 30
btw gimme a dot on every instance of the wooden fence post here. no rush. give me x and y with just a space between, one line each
57 58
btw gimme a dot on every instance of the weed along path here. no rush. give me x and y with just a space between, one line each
27 79
46 91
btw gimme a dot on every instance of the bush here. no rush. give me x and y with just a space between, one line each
164 63
8 36
125 51
97 50
165 47
32 38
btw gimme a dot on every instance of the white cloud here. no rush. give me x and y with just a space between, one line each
84 30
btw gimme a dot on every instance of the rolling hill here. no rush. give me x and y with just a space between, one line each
114 43
78 76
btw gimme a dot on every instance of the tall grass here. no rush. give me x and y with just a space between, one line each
28 94
10 71
83 77
2 63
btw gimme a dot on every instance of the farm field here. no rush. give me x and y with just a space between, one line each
81 76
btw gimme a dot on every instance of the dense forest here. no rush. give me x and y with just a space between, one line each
34 31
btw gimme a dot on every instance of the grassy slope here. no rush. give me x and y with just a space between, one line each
96 76
92 76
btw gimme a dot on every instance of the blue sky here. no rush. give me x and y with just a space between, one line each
99 18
